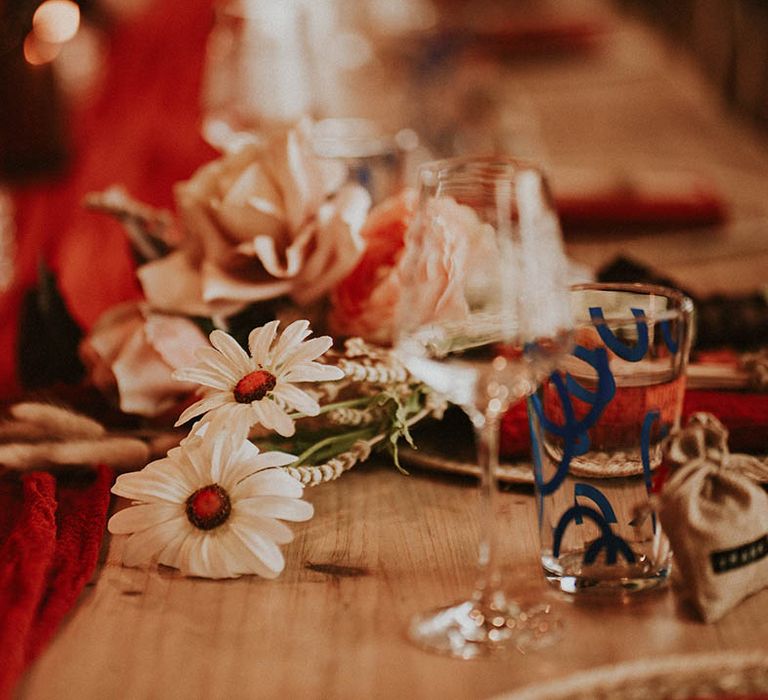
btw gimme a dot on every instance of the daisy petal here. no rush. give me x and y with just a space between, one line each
194 557
240 421
206 377
279 507
258 417
209 403
146 546
260 546
169 555
277 531
214 360
212 559
182 554
292 337
141 517
274 458
244 561
296 399
170 470
276 418
307 351
271 482
312 372
260 341
247 462
219 455
149 486
246 452
193 451
234 419
231 349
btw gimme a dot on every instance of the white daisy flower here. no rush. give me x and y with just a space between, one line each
261 388
210 508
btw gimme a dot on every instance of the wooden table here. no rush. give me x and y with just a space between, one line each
383 546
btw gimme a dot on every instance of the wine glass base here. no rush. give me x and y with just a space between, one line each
464 631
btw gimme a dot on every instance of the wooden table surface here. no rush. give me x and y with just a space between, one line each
383 546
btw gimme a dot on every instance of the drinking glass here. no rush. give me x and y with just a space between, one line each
597 425
258 75
373 158
484 314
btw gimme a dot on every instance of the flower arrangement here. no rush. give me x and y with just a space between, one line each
213 506
267 242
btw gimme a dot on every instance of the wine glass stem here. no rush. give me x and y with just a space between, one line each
488 586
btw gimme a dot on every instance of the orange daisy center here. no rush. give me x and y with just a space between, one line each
254 386
208 507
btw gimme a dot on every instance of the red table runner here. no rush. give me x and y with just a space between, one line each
50 536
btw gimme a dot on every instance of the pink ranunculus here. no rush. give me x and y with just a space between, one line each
260 223
366 302
134 352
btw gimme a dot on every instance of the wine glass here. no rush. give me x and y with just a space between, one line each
484 315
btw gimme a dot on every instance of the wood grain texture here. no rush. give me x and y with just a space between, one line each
381 547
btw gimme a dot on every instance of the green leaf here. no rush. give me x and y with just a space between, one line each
314 447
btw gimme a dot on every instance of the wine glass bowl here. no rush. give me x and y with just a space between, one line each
484 314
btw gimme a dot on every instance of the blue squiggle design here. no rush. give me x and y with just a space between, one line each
567 432
608 540
598 399
598 497
538 474
666 333
645 450
633 353
645 446
574 432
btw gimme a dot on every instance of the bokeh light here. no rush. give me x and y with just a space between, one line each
37 52
56 21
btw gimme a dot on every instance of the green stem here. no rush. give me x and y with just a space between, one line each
354 435
350 403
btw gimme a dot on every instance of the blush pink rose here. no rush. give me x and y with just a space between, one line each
263 222
366 302
133 352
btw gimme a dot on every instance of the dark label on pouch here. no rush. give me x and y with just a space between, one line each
728 559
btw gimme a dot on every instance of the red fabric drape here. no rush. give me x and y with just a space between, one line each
143 131
50 536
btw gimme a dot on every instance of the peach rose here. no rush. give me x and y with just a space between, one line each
366 302
134 352
260 223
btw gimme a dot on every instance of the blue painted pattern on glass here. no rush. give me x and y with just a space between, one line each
666 333
630 353
575 438
645 449
608 540
599 499
538 475
572 431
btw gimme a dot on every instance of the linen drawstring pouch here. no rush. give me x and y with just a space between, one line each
716 517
